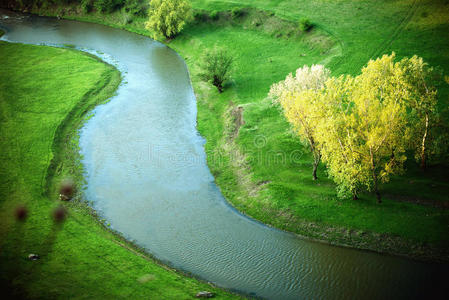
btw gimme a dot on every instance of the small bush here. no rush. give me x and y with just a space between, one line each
236 13
216 66
136 7
86 6
107 6
200 16
213 15
305 24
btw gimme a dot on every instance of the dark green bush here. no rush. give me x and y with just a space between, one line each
136 7
107 5
200 16
305 24
214 15
216 66
236 12
86 5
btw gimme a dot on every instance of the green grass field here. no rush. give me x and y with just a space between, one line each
266 178
265 171
44 94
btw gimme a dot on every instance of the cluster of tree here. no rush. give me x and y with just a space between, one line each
363 127
134 7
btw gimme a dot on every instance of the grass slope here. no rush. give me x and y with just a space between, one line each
44 94
265 171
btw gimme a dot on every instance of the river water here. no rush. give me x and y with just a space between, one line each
147 176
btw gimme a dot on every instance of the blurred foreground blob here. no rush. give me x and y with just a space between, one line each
21 213
59 214
66 190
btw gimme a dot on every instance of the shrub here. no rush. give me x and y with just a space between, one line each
86 5
216 66
200 16
107 5
136 7
305 24
236 13
214 15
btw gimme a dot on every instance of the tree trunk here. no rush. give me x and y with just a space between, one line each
376 189
378 196
373 171
218 83
423 144
316 157
316 162
354 196
315 165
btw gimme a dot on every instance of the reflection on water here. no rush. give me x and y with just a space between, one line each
147 175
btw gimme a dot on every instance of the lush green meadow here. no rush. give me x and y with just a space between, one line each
264 170
45 93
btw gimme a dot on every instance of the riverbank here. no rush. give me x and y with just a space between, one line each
46 93
264 171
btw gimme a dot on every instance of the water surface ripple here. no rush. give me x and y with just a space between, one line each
147 175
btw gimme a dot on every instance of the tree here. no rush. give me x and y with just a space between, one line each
216 67
300 99
423 105
333 132
364 132
168 17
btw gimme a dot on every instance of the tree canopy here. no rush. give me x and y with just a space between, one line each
361 127
168 17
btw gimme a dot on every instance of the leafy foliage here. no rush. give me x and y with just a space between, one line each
216 66
213 15
86 5
305 24
299 98
168 17
107 5
237 12
422 104
136 7
362 126
364 131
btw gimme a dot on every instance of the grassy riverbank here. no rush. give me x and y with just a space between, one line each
44 95
264 170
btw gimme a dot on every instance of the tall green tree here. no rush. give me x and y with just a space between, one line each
168 17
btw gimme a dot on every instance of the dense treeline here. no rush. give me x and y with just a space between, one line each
135 7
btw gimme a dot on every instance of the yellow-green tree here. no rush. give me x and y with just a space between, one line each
300 99
364 132
168 17
423 105
335 133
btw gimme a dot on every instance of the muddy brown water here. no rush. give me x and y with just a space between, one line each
147 176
